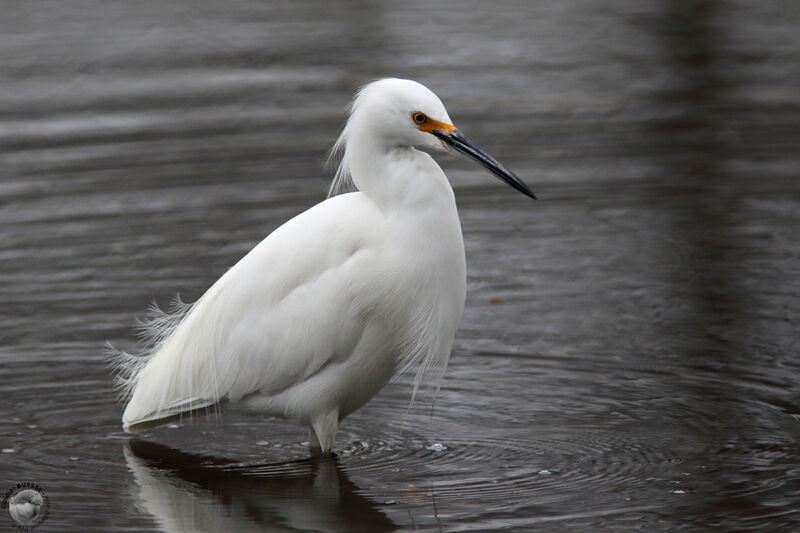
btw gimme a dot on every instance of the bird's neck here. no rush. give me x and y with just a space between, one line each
399 177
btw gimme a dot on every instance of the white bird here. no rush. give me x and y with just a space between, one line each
321 314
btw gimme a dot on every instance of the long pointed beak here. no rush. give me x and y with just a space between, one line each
459 142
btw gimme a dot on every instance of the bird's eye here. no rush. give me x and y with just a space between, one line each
419 118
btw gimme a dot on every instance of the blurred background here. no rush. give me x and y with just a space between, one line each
628 356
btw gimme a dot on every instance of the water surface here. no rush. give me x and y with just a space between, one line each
627 358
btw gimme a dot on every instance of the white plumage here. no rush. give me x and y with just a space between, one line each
321 314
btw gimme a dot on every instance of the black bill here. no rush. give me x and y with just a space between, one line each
459 142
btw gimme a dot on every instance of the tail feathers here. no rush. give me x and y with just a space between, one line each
176 411
153 329
125 367
154 400
157 325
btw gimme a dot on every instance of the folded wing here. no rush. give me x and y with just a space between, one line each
292 305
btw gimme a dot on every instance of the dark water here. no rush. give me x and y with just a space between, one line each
628 357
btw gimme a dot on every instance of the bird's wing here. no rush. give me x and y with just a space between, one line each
275 318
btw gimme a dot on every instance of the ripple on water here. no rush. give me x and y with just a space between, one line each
510 471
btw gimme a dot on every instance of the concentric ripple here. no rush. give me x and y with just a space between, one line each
514 470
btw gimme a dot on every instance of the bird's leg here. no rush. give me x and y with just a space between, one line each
323 432
313 443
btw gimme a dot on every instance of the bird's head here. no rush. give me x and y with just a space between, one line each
405 113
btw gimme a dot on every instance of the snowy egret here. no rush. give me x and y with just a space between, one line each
320 315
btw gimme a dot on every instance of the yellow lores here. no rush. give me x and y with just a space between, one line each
429 125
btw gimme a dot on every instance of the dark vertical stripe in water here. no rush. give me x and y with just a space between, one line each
720 366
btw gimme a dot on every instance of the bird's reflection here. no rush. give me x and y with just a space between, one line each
187 492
